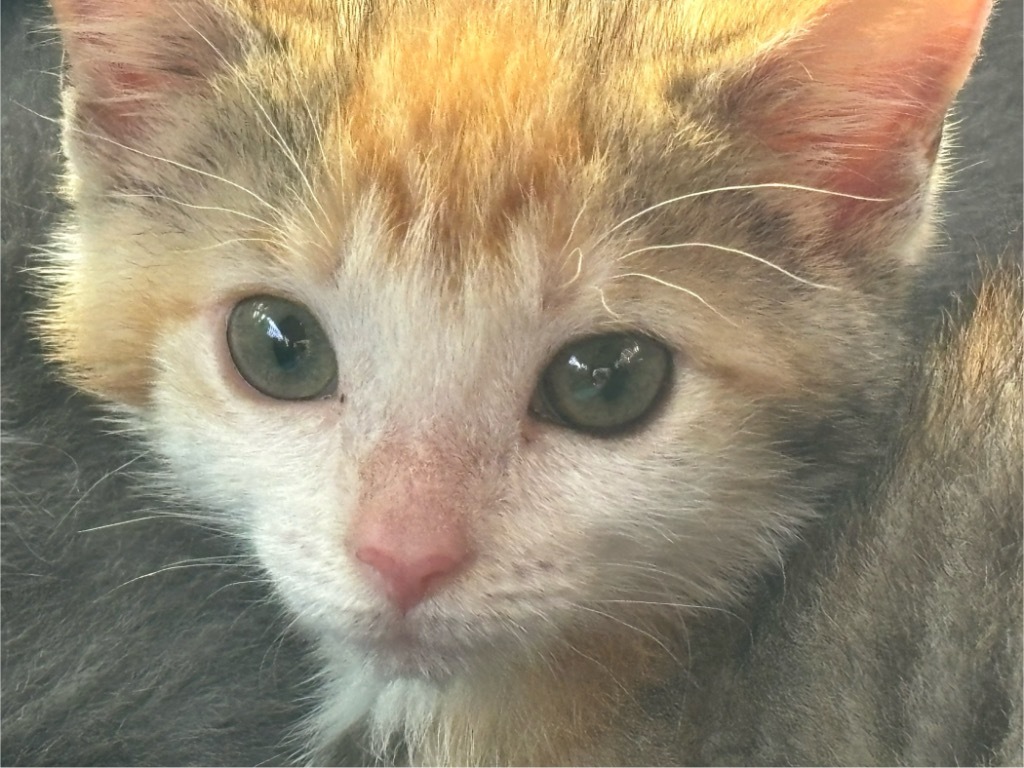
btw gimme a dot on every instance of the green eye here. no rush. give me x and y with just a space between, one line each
604 383
280 349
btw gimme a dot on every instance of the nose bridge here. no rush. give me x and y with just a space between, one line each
434 358
413 465
446 365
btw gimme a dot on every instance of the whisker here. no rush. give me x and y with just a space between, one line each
194 206
124 522
106 476
646 567
313 122
740 188
575 222
579 266
736 251
176 164
277 137
232 241
655 583
181 566
278 642
604 303
670 604
680 288
158 158
611 675
632 627
262 582
15 439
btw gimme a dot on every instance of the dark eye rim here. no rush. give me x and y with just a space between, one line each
550 414
327 392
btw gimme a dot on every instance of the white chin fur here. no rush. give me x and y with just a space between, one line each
356 693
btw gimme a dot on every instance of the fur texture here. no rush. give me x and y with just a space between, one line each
492 276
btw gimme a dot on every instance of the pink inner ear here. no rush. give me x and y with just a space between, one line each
126 57
864 91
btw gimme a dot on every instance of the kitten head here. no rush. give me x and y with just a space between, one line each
490 324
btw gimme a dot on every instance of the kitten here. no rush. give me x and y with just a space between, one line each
514 340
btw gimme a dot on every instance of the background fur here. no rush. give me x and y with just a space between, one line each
195 664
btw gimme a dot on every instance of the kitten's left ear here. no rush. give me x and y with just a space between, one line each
857 100
128 60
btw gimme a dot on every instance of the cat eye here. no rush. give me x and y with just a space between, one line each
280 349
603 384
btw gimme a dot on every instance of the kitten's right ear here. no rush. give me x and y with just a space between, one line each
127 60
855 102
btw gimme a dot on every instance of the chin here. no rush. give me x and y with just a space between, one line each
401 655
426 665
403 649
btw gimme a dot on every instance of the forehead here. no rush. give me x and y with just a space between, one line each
457 126
464 122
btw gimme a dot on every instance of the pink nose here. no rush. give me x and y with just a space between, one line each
407 580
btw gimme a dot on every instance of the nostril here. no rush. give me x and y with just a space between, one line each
407 580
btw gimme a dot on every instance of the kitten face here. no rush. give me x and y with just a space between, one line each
453 196
430 427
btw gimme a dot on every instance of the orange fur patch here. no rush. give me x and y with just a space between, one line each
464 116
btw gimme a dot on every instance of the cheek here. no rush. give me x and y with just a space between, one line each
253 460
276 474
672 510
